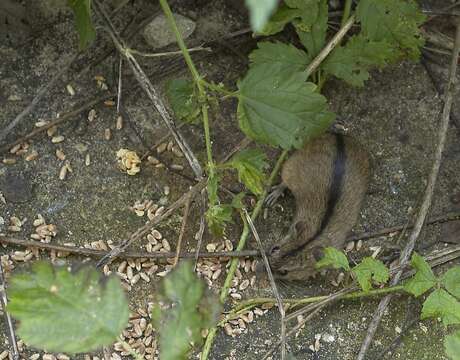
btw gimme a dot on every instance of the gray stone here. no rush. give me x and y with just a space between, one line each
158 33
16 187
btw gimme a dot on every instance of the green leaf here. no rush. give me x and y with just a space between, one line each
452 345
352 61
370 269
423 279
335 258
213 184
312 34
250 165
82 12
63 311
279 108
308 11
237 201
183 310
284 57
441 304
279 20
396 21
451 281
182 97
260 12
217 216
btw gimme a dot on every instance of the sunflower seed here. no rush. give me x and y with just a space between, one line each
32 156
87 160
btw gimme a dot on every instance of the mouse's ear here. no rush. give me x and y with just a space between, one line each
318 252
300 227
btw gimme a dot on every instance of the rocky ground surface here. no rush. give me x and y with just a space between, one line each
69 179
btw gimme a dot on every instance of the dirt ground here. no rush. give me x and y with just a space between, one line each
395 116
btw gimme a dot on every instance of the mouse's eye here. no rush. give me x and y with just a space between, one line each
275 250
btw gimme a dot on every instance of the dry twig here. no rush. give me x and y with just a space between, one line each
9 321
124 255
41 93
71 115
272 283
182 228
405 255
150 90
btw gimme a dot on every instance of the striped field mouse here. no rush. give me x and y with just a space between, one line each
328 178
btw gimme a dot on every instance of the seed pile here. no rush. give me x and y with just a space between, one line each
128 161
24 150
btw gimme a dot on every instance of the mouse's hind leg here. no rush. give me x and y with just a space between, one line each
274 194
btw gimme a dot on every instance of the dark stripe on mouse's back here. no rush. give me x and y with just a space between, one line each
335 191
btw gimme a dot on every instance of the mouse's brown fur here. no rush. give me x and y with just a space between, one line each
328 179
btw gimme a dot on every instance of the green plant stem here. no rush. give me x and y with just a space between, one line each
251 303
346 12
241 244
196 78
218 88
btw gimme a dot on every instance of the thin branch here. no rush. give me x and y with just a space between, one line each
405 255
6 314
182 228
125 255
200 232
241 243
71 115
41 93
120 78
170 53
272 283
150 90
330 45
142 231
318 308
454 215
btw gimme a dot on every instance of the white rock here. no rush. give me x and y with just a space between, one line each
158 33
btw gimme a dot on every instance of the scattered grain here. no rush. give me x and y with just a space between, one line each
92 115
161 148
107 134
57 139
70 90
9 161
119 124
32 156
51 131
